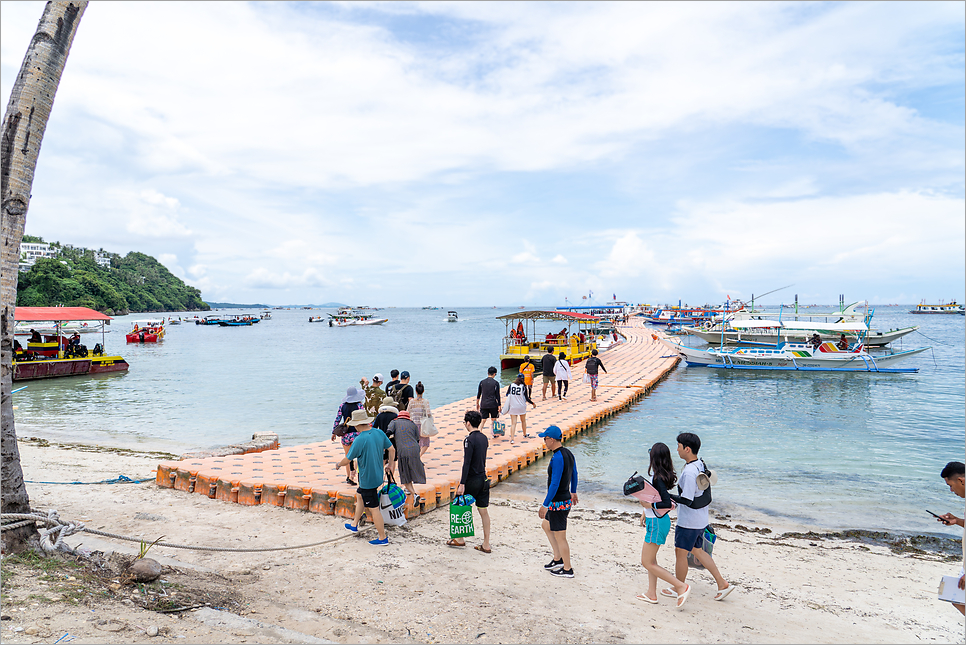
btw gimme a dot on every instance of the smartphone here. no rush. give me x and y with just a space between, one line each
941 519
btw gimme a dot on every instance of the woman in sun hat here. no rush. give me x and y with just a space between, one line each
354 398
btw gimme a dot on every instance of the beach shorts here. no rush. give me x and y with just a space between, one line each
348 438
370 497
480 490
688 539
593 381
656 529
490 413
548 378
558 520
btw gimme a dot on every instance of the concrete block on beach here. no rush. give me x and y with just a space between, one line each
260 441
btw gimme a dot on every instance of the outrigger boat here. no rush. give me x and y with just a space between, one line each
745 328
54 355
146 331
948 308
522 338
239 321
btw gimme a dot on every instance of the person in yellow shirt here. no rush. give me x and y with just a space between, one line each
527 370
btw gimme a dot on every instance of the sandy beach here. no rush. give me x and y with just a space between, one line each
788 589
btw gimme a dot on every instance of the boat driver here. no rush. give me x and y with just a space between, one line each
815 341
843 343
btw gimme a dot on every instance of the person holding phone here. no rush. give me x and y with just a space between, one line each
955 475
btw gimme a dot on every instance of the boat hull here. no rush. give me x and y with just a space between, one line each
874 339
54 368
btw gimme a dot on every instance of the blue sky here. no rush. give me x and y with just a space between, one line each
461 154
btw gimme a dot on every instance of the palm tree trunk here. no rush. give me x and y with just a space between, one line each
24 124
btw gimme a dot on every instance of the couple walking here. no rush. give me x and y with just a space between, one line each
692 505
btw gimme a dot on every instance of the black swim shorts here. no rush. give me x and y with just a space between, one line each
480 490
558 520
490 413
370 497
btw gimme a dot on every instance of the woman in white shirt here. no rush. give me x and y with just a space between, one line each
516 406
561 374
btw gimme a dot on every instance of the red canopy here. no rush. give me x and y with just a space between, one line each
57 314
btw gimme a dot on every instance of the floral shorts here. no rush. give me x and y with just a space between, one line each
348 438
593 381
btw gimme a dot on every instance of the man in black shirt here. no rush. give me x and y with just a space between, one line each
547 365
405 391
474 480
591 366
394 375
488 397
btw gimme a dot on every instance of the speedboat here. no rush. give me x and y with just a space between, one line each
452 317
146 331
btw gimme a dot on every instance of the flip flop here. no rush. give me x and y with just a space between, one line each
455 544
683 597
670 593
644 597
479 547
723 593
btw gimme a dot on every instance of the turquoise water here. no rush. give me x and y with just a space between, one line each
831 450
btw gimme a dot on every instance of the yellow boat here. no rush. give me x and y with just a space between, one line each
522 338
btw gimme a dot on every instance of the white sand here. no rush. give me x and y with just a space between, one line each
418 590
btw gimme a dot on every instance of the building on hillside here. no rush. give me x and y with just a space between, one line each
30 252
103 259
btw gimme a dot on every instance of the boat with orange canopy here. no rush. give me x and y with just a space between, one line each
53 355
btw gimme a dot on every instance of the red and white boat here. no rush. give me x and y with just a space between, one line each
146 331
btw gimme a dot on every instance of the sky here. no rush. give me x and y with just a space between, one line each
478 154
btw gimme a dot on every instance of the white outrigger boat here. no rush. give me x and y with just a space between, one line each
826 357
747 328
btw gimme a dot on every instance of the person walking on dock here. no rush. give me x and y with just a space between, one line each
473 480
546 364
488 397
561 374
527 369
516 406
411 469
391 385
374 394
657 522
561 496
419 410
591 367
403 392
353 401
955 475
693 518
367 449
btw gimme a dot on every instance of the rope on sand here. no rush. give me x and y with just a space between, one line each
120 479
52 537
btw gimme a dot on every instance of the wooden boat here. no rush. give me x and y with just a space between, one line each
948 308
826 357
522 338
239 321
56 356
146 331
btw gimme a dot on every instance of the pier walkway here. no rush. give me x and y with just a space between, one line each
304 477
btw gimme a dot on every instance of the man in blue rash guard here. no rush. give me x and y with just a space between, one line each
561 495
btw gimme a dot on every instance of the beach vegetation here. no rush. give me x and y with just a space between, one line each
132 283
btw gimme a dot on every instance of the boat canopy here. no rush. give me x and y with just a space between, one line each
565 316
57 314
799 325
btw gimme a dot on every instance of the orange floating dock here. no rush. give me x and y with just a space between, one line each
305 477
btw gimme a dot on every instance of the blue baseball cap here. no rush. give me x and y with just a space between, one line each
553 432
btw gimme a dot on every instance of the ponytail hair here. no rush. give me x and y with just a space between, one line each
420 388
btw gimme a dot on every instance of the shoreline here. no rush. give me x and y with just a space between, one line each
789 588
724 513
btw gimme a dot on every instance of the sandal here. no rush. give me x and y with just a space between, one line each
723 593
670 593
644 597
452 542
479 547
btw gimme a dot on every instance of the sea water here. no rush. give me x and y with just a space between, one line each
823 449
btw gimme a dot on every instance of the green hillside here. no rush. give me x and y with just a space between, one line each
134 283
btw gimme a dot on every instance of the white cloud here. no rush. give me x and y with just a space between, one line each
262 278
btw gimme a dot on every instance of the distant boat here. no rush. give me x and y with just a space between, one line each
451 316
949 308
146 331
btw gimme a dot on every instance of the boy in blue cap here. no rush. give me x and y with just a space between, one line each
561 495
